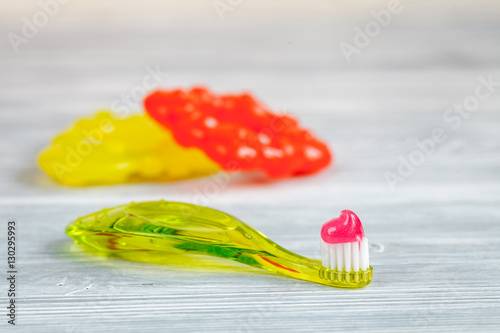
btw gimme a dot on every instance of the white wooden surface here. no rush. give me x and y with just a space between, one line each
435 240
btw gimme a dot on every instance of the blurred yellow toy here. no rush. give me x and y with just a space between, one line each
111 150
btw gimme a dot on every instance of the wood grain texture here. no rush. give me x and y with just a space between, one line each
435 240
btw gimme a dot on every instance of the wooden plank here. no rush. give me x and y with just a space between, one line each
434 240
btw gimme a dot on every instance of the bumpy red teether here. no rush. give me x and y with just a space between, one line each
238 132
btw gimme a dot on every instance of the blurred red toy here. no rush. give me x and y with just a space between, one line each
238 132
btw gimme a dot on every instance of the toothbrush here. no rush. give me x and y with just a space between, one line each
183 228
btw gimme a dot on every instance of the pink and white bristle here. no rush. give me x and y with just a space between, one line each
344 247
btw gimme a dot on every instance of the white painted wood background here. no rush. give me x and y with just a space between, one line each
435 239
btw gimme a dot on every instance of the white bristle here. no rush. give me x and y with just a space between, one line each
325 256
364 255
345 256
340 256
355 256
333 256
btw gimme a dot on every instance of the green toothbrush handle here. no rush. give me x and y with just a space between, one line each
190 229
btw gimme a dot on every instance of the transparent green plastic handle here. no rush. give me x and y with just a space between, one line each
190 229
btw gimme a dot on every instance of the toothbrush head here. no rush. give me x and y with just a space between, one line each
344 251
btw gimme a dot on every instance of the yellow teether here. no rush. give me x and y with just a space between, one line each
106 149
